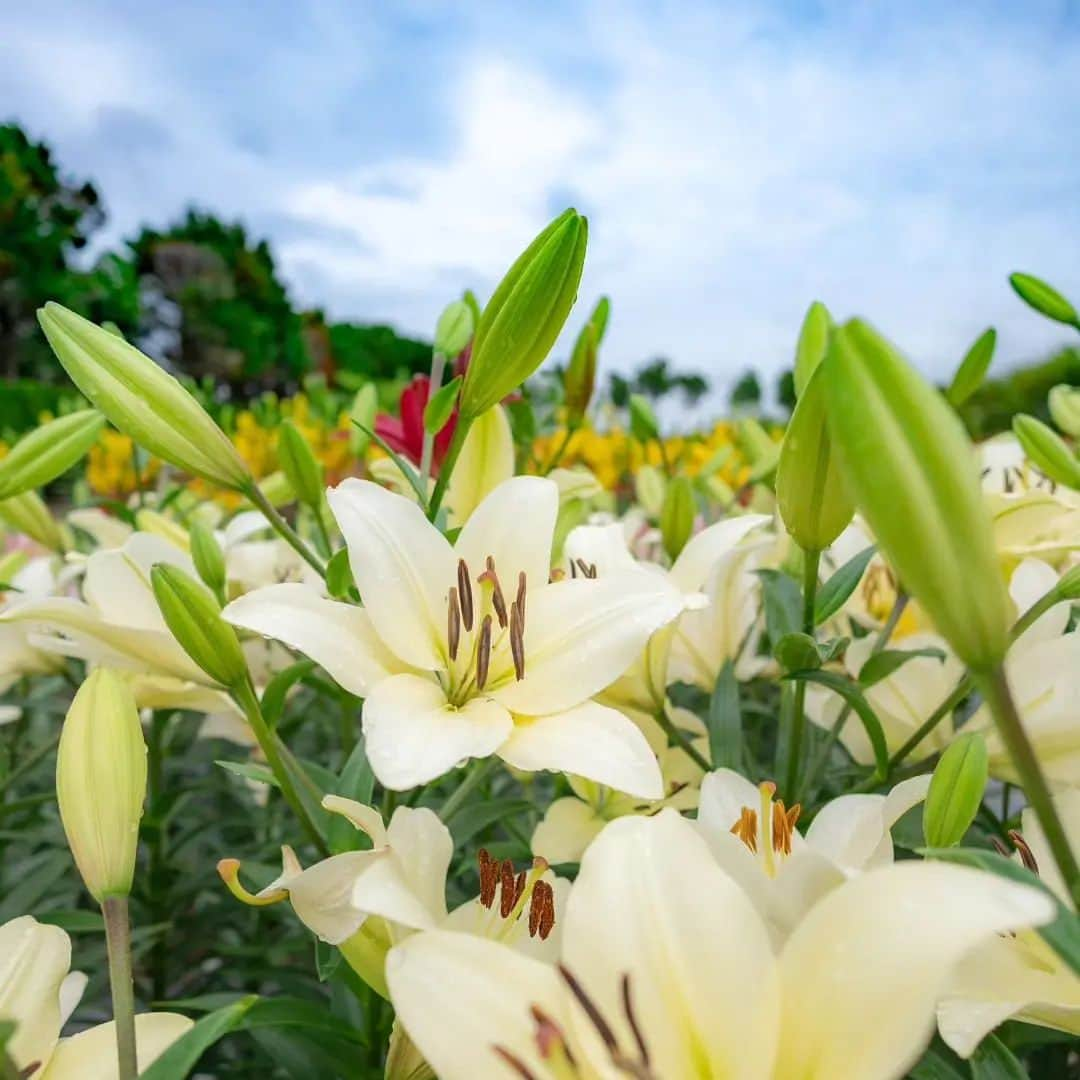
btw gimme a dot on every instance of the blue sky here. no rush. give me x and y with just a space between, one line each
737 160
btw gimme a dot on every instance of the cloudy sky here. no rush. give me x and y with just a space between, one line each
736 160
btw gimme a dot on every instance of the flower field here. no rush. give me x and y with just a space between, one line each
453 730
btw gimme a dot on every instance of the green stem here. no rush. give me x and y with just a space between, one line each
118 942
477 771
285 530
268 743
811 564
995 689
438 363
678 737
457 441
556 457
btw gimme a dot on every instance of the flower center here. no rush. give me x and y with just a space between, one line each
777 827
478 622
514 890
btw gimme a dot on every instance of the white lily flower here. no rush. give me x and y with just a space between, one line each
1043 669
468 650
35 580
851 995
39 994
1018 976
600 551
753 837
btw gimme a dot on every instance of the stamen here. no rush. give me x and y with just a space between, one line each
520 598
768 790
1027 857
489 877
498 601
542 910
453 623
465 592
746 828
483 653
229 872
628 1009
515 1063
590 1009
517 637
550 1038
783 826
508 885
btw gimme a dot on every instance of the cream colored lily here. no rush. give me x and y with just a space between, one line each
668 972
39 994
32 580
468 650
1018 976
600 551
1043 668
753 838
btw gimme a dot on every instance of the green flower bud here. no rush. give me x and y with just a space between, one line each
28 514
760 450
643 425
1064 402
277 489
813 344
298 462
810 490
1045 299
525 314
101 782
48 452
677 515
972 370
650 487
1047 450
440 406
580 378
362 415
141 399
194 618
454 330
912 472
208 557
956 790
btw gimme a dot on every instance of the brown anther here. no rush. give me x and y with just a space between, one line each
541 910
631 1019
489 877
783 826
1027 857
483 653
498 601
520 598
506 887
519 886
465 593
999 846
550 1038
746 828
453 623
517 640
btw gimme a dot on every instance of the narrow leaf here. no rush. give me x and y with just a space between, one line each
832 596
725 721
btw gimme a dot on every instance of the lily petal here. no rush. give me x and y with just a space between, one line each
486 460
91 1055
414 735
863 972
422 847
567 829
705 991
402 565
580 636
691 569
591 740
117 582
459 995
339 637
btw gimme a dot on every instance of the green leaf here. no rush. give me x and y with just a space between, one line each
339 580
440 406
479 815
853 696
782 600
179 1060
1062 935
993 1060
32 884
881 665
972 370
1044 298
939 1063
249 771
357 782
724 721
832 596
797 652
75 922
277 689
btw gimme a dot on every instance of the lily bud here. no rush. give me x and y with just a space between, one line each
810 489
650 487
208 557
101 782
153 521
956 790
194 618
362 414
141 399
643 425
580 378
48 452
1064 402
454 330
1046 450
912 472
28 514
677 515
813 344
973 368
1045 299
525 314
758 448
301 467
276 489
